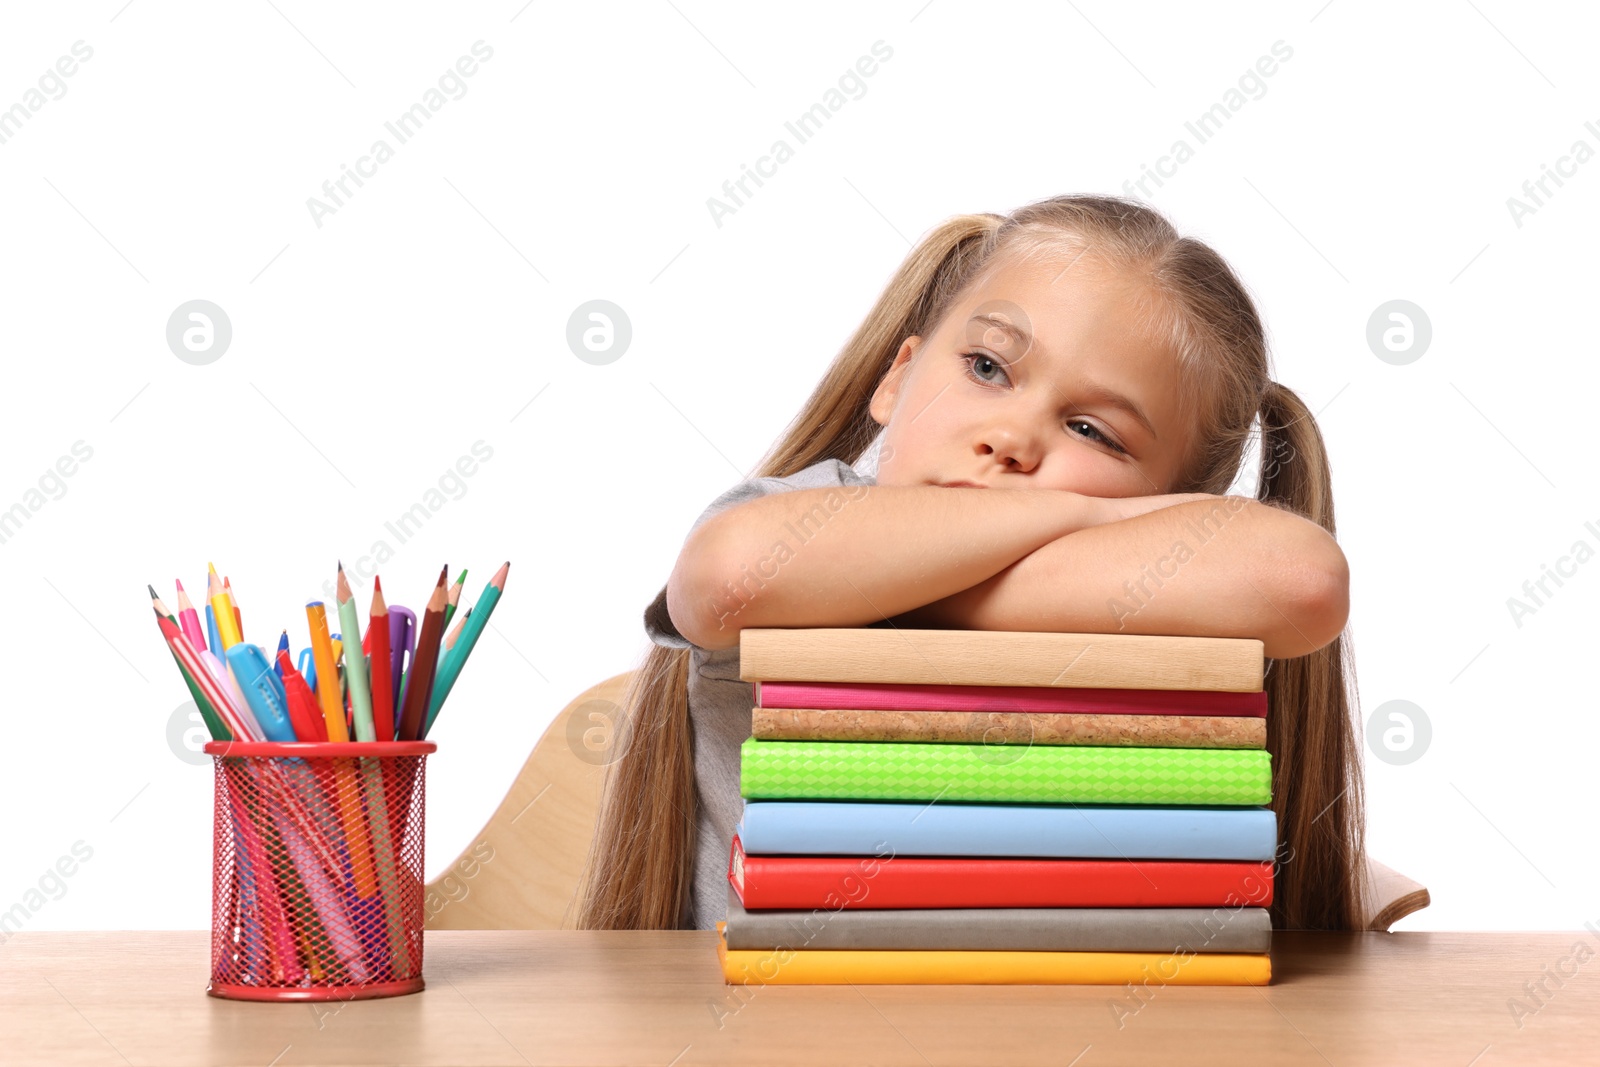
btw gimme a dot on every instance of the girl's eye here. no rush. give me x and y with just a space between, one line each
1095 430
974 358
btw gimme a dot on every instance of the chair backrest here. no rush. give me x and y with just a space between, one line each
522 871
1389 896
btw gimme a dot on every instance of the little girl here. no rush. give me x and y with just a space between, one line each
1103 373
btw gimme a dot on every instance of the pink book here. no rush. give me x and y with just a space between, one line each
907 697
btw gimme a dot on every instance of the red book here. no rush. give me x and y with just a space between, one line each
910 697
836 882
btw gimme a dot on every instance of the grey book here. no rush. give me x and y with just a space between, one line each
1218 929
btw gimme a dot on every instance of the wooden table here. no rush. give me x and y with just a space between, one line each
657 997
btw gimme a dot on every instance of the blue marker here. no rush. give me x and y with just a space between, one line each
263 690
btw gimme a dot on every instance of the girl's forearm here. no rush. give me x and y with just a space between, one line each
1229 567
854 555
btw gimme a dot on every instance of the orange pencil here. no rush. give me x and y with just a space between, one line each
419 679
382 683
322 655
454 635
238 619
332 700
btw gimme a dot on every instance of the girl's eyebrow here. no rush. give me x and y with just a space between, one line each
1093 392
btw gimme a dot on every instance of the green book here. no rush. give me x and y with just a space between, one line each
1039 774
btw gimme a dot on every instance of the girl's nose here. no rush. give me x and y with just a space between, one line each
1014 446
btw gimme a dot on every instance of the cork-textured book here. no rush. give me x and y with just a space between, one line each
1008 727
1000 657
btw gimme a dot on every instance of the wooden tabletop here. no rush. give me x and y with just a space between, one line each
657 997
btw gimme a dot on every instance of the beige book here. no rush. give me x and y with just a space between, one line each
1000 657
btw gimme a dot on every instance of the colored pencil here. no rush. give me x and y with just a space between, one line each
327 675
355 664
189 619
222 604
336 647
455 635
453 597
213 638
238 619
450 670
419 685
382 682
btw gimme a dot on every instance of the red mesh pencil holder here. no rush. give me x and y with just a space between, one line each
316 889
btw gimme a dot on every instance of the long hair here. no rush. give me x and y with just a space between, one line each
641 858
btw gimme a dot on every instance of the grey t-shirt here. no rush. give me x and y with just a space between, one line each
720 703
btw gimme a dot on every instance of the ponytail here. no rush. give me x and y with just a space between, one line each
1317 791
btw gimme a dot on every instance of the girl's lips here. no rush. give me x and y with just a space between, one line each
952 485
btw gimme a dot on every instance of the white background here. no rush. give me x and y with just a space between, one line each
430 311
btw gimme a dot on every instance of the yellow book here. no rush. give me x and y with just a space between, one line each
784 966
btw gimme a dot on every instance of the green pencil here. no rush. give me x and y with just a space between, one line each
355 663
450 666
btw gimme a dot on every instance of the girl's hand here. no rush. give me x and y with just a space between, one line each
1104 509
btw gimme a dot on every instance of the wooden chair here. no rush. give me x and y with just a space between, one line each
522 870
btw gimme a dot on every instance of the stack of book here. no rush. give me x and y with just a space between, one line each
978 806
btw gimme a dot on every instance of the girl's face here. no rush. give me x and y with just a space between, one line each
1036 379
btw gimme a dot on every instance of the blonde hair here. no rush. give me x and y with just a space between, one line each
641 858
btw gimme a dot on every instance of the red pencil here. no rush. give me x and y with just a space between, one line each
380 682
419 680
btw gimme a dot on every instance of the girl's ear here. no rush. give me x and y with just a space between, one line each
883 399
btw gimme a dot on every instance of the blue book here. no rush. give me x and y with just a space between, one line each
1085 831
